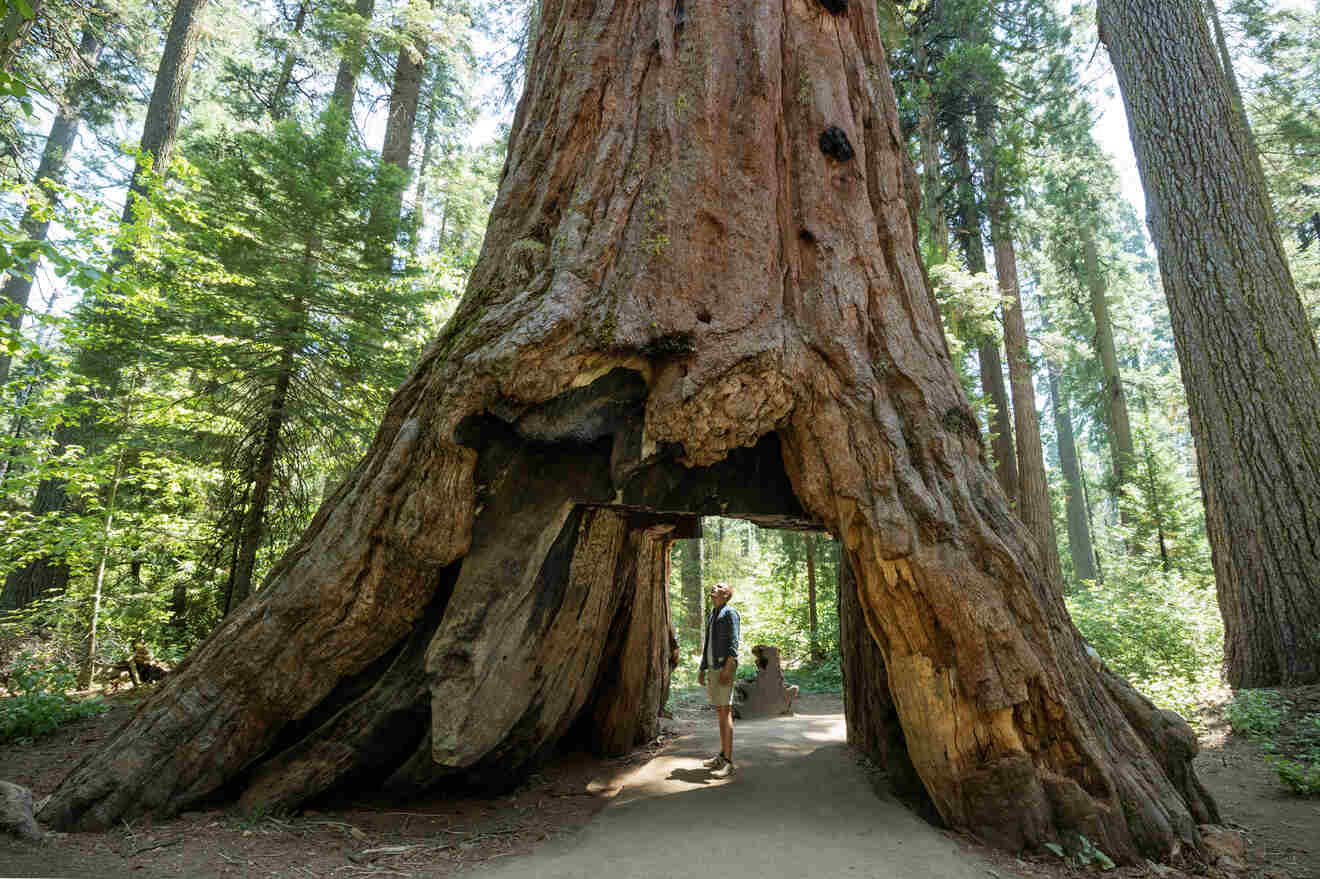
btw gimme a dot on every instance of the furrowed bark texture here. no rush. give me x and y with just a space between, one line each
685 307
1247 352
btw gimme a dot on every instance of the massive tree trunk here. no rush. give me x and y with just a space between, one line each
699 293
50 172
1247 351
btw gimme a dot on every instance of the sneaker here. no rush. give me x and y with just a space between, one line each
724 771
714 762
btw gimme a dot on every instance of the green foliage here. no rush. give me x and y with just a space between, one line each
1084 854
768 570
1160 629
1257 713
1300 776
823 677
1263 715
40 703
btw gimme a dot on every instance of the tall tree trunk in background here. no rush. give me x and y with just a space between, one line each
254 521
1116 407
41 577
161 128
279 98
1247 350
813 624
928 135
397 150
419 203
159 131
690 575
54 157
680 309
1079 527
987 350
351 61
1230 75
102 555
1034 507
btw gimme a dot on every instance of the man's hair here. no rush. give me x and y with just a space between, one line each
725 587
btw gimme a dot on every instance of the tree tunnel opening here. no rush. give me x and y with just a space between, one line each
577 517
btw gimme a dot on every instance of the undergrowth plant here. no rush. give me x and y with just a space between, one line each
1260 715
41 702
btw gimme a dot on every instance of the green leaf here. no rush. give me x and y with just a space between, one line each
25 9
1055 847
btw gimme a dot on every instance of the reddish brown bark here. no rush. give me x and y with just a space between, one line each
683 306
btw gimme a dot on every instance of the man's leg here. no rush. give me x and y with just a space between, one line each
726 731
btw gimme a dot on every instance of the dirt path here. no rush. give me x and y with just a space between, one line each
800 805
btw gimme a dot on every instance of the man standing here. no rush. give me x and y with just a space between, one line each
720 657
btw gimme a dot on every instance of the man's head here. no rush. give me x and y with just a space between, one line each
720 594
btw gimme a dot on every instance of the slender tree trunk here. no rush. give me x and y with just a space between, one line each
813 623
690 573
931 184
161 128
54 157
279 98
419 202
254 521
1247 350
1230 75
1034 507
699 332
1116 408
987 350
350 62
397 150
1079 527
102 554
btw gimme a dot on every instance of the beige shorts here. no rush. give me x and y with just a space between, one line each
720 695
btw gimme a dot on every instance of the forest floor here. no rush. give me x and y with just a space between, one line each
802 803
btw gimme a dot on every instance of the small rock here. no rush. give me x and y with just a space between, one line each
1227 849
16 815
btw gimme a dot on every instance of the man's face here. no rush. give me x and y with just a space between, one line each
719 596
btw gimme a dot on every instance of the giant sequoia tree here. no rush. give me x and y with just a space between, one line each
1247 351
699 293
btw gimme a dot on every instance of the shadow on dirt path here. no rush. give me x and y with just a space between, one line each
799 805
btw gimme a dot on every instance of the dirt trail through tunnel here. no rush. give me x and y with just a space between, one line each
800 805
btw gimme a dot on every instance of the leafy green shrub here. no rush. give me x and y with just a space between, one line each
1257 713
1159 629
41 703
1300 776
824 677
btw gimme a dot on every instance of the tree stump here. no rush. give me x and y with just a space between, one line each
683 306
766 695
